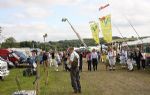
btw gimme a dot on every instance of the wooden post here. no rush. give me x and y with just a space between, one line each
37 82
46 81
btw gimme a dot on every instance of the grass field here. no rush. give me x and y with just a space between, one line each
101 82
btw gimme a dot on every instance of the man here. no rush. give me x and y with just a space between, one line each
138 57
74 70
54 62
53 58
45 60
94 58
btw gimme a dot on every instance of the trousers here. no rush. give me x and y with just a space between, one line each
75 79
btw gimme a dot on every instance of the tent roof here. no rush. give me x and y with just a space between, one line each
137 42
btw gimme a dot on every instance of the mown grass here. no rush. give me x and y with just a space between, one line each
101 82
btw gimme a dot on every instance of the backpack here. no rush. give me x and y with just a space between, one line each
29 72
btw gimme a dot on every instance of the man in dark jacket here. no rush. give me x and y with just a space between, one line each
138 57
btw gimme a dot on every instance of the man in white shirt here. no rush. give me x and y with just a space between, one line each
94 58
74 70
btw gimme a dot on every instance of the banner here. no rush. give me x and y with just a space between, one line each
105 23
95 31
103 7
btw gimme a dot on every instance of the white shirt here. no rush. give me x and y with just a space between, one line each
73 54
124 54
110 54
94 55
144 55
57 57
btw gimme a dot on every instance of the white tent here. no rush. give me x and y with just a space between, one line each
137 42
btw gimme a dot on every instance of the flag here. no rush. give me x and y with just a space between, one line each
95 31
102 7
105 23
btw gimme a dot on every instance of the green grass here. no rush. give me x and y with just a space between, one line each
101 82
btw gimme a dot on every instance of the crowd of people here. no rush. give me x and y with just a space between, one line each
125 56
72 60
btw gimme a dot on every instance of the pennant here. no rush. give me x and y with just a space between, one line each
103 7
105 23
95 31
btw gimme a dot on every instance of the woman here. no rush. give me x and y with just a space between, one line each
111 59
88 58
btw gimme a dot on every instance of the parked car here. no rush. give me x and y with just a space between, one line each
9 63
9 55
3 69
22 57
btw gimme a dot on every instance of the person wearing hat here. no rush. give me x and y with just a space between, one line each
74 70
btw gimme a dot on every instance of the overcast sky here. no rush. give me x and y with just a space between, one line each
30 19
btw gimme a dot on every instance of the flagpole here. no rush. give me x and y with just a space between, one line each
134 29
65 19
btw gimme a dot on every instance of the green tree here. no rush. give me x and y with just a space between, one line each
10 43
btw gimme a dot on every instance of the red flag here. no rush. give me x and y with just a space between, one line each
102 7
102 18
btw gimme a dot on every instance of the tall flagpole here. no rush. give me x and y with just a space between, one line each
134 29
65 19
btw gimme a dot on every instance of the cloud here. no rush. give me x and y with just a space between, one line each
37 12
35 31
26 3
30 19
10 3
135 10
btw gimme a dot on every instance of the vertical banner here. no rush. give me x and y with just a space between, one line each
105 23
95 31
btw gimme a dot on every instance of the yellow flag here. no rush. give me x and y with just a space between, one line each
95 31
106 28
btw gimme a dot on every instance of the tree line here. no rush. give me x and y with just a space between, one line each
59 45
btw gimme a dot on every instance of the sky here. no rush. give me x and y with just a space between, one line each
31 19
